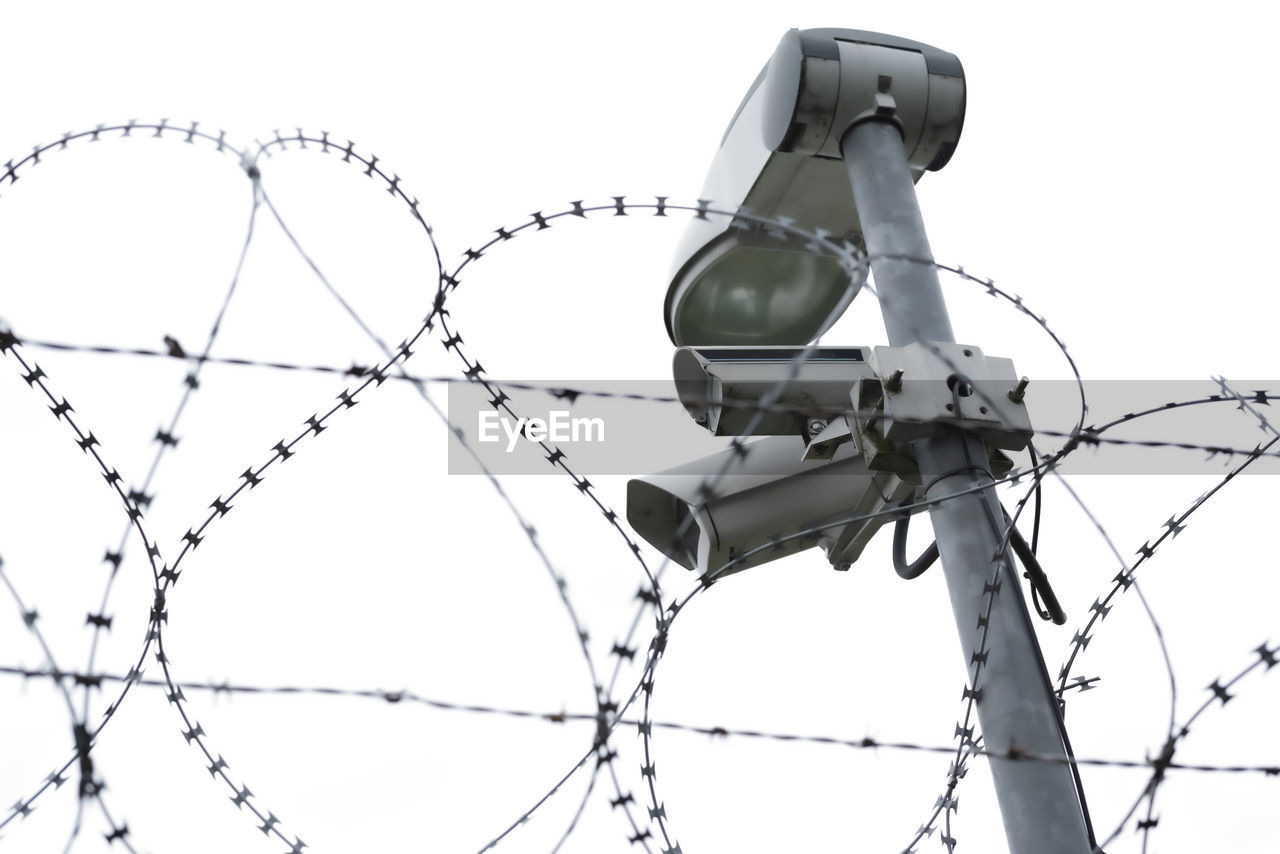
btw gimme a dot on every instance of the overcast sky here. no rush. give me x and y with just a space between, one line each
1114 172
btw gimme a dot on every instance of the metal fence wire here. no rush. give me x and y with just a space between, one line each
614 768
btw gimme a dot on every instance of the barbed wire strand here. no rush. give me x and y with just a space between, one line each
555 718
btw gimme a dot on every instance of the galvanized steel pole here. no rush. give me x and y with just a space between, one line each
1042 810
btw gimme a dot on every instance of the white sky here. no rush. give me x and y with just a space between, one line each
1114 170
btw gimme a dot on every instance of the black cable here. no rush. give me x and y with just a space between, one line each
1035 524
1039 580
1030 627
917 567
1058 718
1035 601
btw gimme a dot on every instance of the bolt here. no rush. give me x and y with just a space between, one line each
1020 393
816 426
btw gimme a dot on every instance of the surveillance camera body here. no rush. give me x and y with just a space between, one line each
780 159
761 509
745 279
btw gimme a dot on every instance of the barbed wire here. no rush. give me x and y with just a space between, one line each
855 263
226 688
612 701
193 732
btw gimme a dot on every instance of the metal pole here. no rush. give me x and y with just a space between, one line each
1042 811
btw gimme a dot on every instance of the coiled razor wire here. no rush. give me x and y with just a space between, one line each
613 701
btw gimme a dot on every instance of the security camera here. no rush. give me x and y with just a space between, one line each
749 290
722 387
762 509
738 281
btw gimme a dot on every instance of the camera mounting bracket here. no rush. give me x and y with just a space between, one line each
924 384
